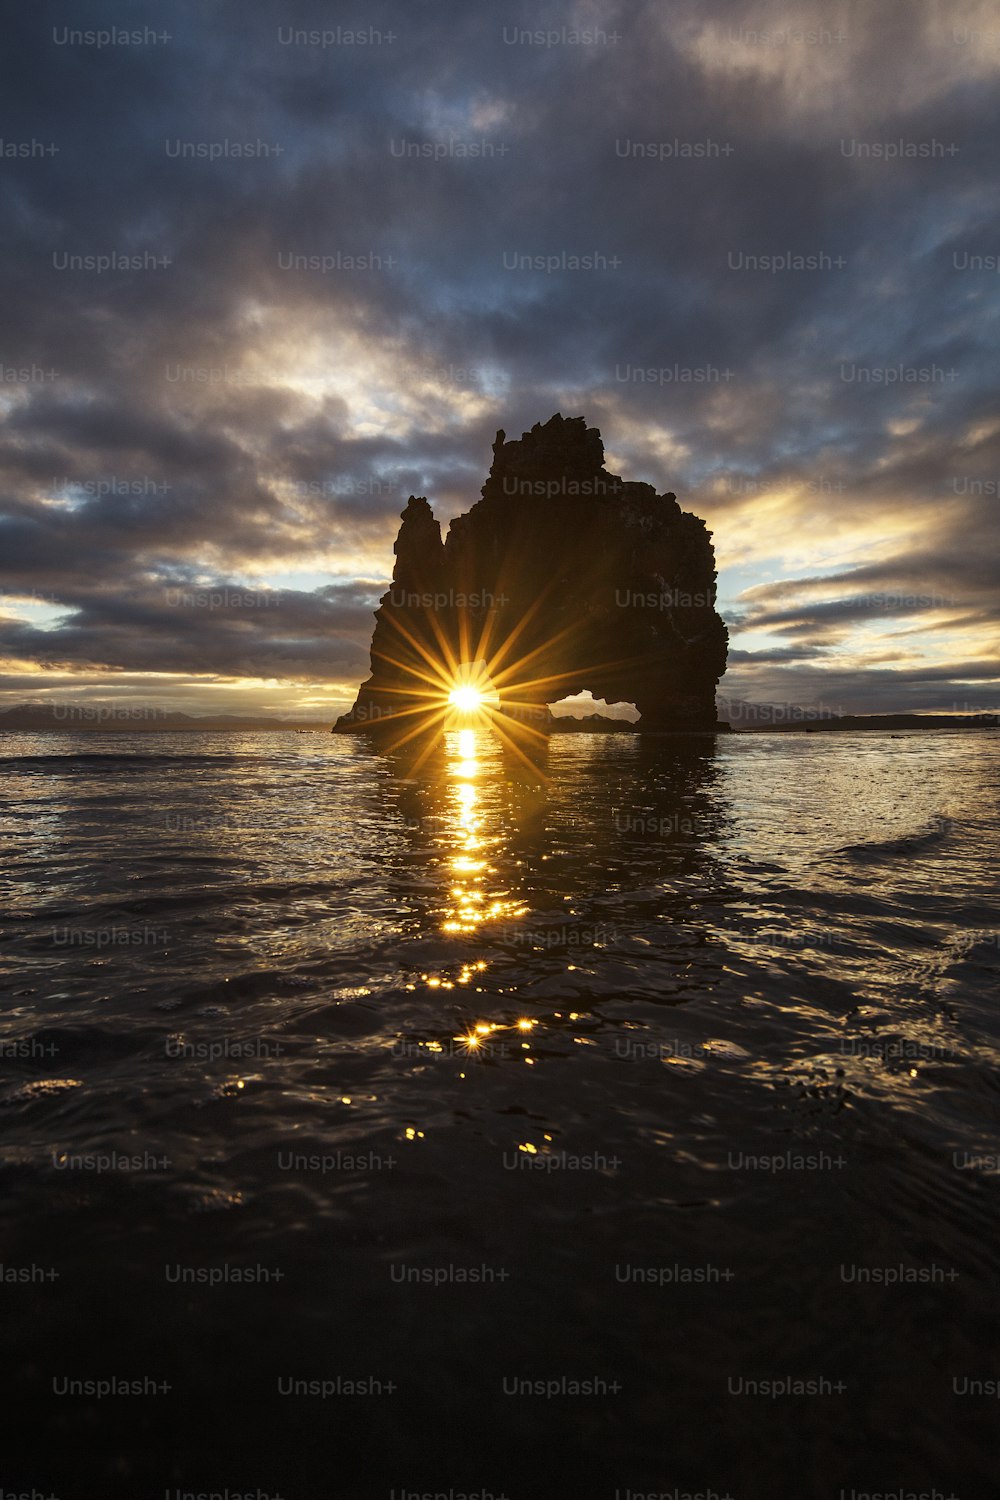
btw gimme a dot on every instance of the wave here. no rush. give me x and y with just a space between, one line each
96 760
905 845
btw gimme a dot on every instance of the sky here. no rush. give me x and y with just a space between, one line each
260 284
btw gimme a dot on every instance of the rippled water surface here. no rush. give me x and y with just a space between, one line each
723 1012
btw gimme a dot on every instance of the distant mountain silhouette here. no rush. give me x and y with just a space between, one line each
105 718
788 718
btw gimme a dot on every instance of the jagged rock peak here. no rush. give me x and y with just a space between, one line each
564 577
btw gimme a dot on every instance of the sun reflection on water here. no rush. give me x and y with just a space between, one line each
469 866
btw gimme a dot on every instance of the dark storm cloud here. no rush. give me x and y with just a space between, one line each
273 415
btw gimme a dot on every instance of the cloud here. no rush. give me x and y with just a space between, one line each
790 328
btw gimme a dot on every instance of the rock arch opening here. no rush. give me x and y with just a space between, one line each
583 705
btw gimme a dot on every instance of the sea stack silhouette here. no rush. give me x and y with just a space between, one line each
562 578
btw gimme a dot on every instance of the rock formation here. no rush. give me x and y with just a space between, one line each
563 577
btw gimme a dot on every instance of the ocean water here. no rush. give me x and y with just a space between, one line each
625 1123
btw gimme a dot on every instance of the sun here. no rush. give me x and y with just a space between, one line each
469 696
466 698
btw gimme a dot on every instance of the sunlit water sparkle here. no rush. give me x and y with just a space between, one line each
674 956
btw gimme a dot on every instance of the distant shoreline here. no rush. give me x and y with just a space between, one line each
847 723
35 721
